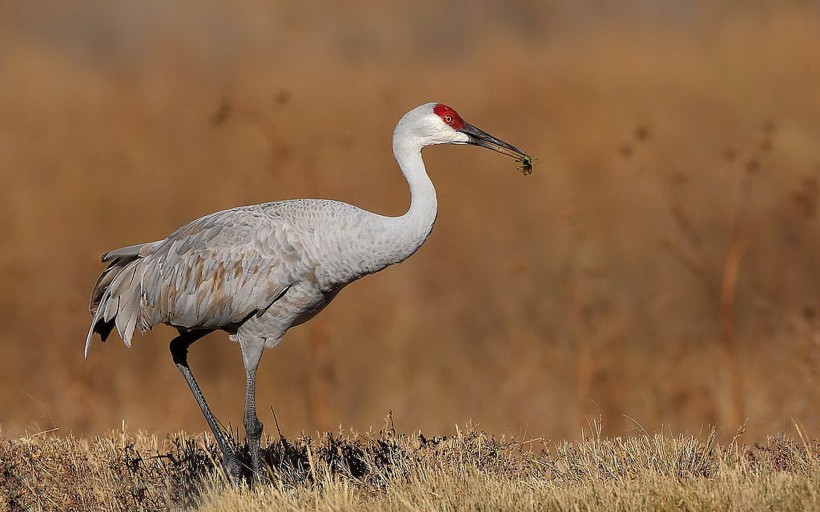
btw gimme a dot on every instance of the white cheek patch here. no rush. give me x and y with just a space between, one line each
462 138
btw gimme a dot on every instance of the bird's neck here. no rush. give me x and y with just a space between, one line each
384 241
419 219
404 235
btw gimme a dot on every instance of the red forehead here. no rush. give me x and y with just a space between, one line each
442 110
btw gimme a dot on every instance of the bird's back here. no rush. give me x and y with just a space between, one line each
222 269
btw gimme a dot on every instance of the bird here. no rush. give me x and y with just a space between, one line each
256 271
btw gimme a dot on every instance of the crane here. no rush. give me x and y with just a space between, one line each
256 271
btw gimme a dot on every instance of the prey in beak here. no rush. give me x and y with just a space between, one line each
478 137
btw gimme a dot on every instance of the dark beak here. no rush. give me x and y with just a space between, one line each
485 140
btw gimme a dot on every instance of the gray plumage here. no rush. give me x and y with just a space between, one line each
256 271
227 269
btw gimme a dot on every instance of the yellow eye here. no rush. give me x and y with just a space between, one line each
448 118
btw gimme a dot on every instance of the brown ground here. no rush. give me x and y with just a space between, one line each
386 471
659 268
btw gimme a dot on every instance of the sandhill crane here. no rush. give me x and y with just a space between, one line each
256 271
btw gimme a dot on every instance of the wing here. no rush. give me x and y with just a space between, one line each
219 270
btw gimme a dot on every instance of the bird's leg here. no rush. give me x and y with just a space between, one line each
179 351
251 354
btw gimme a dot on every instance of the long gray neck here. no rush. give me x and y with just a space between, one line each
416 224
394 239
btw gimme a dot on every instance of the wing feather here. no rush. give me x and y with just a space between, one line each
219 270
213 273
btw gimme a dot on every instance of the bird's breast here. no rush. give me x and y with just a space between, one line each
299 304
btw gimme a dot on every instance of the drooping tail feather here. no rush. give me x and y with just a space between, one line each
116 297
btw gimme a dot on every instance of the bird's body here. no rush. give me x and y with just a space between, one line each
253 271
256 271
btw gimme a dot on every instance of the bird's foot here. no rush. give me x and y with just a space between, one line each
237 472
233 467
261 476
260 469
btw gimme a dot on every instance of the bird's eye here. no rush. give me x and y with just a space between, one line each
448 118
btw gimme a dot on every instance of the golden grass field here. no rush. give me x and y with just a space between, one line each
659 269
386 471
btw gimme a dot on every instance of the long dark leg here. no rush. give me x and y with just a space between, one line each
251 354
179 351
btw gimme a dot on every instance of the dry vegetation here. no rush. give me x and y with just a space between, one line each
469 470
660 267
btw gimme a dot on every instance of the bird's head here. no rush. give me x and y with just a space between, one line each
436 123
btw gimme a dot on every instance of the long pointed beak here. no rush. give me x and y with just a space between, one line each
481 138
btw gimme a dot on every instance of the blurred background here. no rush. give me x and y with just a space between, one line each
659 269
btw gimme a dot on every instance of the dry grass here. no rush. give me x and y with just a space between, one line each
469 470
660 264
